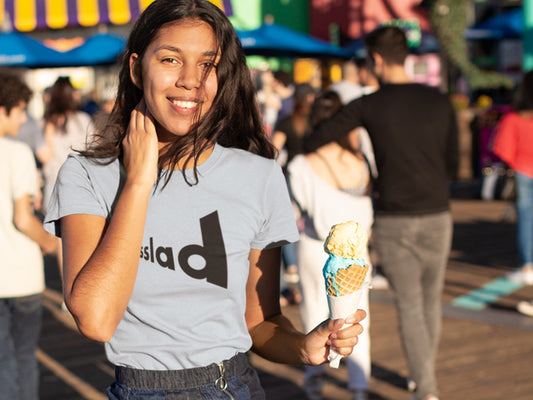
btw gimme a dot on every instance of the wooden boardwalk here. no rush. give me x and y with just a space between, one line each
485 354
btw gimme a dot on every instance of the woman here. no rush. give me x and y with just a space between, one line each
330 185
514 145
65 128
172 220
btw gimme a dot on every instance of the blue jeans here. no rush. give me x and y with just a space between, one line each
236 380
289 255
524 217
20 326
413 252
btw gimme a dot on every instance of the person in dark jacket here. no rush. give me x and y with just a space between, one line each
414 134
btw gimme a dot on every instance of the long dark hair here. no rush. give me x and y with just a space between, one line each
62 101
233 119
324 107
524 95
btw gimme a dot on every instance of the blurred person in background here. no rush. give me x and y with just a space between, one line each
349 87
367 79
65 128
290 131
330 185
288 137
23 242
414 134
514 145
269 100
284 87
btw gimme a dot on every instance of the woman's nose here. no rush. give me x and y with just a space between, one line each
189 77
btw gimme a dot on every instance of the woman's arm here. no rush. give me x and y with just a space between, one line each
273 335
100 260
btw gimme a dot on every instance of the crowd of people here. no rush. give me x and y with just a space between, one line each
200 159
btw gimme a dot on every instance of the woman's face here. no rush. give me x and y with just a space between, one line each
173 77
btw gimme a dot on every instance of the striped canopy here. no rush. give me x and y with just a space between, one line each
29 15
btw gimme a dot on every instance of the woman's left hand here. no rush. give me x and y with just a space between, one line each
329 334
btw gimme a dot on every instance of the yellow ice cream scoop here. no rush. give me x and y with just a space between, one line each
347 239
346 268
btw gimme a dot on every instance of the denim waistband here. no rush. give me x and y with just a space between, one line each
182 379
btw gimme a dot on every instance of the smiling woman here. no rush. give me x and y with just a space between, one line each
178 319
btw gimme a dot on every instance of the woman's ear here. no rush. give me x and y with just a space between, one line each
135 70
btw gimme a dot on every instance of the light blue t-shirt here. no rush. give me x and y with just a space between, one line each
187 307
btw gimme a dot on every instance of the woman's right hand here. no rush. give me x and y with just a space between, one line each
141 150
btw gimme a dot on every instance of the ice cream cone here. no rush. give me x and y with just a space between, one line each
345 272
347 280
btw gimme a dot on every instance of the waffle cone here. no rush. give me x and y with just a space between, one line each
347 280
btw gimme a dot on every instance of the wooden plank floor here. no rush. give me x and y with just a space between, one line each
484 354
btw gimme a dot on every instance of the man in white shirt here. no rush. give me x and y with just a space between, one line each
23 240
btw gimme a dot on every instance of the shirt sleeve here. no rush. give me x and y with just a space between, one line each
73 193
24 174
339 125
279 225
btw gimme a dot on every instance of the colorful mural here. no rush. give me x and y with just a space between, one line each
353 18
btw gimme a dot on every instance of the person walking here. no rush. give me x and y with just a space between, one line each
290 131
329 186
172 220
414 135
65 128
349 87
23 242
514 145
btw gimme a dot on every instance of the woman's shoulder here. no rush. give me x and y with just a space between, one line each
299 163
77 160
514 119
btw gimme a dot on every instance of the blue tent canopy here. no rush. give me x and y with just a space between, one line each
506 25
277 41
17 49
102 48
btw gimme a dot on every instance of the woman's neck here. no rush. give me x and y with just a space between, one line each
188 163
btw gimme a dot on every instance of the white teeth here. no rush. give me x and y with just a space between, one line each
185 104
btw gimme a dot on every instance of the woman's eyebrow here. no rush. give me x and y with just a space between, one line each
209 53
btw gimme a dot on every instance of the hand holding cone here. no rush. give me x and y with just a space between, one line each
345 271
